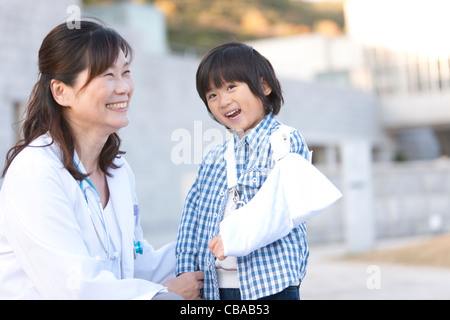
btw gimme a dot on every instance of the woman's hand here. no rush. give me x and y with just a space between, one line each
216 247
187 285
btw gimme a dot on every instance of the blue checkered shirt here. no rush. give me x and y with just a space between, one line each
265 271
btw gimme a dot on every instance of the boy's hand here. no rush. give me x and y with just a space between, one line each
216 247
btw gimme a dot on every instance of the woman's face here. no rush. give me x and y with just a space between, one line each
101 107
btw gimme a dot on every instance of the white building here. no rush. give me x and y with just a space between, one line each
396 48
408 56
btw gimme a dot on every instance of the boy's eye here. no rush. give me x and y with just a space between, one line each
231 86
212 95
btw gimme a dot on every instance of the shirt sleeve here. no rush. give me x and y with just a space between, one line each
155 265
186 248
299 146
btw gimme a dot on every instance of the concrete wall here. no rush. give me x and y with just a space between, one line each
410 198
142 25
23 26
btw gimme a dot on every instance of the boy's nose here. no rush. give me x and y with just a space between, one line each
225 101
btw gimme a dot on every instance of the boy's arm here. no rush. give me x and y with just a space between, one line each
292 193
186 250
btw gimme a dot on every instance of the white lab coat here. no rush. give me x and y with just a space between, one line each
48 245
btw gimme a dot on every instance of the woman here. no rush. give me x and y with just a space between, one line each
69 219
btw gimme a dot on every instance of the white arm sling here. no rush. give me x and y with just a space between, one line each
293 192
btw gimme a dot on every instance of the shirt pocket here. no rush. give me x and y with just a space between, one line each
251 181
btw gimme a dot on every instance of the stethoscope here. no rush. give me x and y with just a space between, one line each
136 244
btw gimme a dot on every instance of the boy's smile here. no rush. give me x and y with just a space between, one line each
233 114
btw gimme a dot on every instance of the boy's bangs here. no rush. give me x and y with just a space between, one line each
233 69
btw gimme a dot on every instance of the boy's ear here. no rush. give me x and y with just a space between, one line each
267 89
60 92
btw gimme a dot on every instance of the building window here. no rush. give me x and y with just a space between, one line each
404 72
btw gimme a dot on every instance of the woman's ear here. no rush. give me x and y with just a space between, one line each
60 92
267 89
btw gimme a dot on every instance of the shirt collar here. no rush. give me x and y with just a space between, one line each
253 137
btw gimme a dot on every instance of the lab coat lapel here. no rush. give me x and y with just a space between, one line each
121 196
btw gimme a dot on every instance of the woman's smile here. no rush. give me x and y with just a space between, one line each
118 106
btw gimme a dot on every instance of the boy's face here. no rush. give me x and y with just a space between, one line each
235 106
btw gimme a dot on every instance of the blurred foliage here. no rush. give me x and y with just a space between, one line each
200 24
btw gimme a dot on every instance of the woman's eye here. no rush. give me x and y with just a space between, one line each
127 72
109 74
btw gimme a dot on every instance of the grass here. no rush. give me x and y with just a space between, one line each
434 251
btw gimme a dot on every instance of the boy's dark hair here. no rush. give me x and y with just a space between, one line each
236 61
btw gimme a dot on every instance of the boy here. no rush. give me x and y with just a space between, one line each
240 91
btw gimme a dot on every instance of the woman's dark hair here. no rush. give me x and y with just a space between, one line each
64 53
236 61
